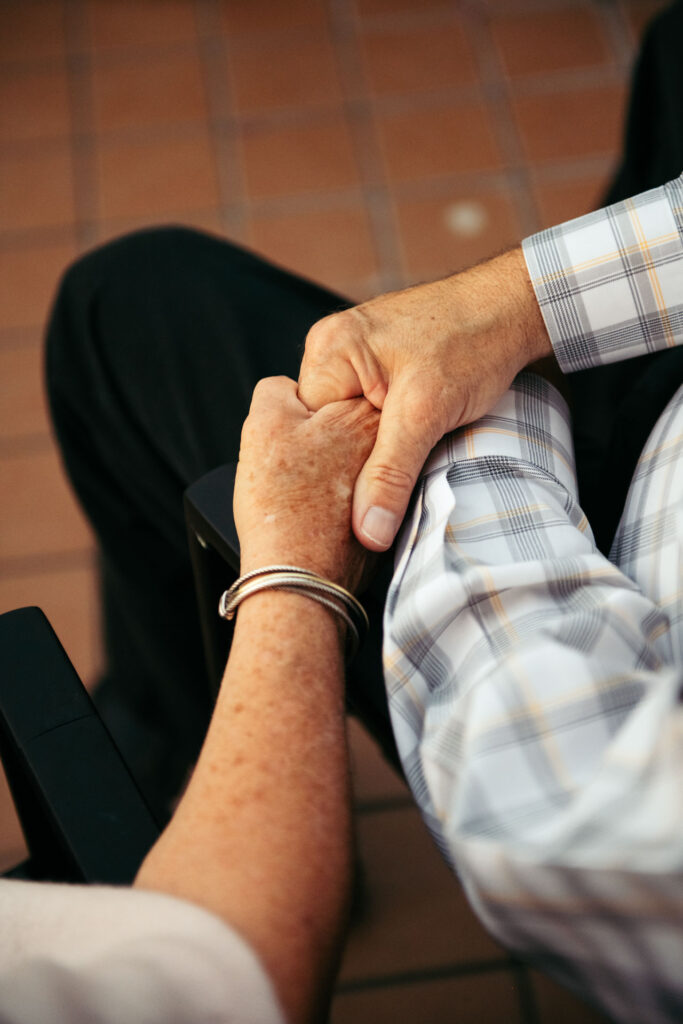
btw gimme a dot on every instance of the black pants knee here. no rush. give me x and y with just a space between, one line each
154 347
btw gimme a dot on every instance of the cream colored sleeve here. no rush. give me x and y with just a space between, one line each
102 954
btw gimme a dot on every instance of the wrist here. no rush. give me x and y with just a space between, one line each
335 563
535 340
503 306
282 577
309 627
252 558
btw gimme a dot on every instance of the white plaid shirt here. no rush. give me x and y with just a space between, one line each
534 685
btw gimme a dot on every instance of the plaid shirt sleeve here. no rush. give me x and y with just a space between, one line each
534 690
610 284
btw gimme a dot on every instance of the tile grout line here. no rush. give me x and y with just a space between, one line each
80 91
497 96
424 975
617 31
561 170
46 563
19 445
359 110
214 55
20 337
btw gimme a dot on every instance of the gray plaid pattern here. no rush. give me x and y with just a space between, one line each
534 688
610 284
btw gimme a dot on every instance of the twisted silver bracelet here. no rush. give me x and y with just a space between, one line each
294 579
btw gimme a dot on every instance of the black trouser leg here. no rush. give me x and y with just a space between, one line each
154 346
616 406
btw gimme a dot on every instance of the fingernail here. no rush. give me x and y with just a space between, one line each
379 525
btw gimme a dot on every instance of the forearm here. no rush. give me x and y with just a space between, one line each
262 835
497 306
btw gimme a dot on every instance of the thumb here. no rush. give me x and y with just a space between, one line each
385 483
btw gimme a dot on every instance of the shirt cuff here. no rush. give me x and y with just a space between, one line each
610 284
530 423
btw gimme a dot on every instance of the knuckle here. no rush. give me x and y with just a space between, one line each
420 408
270 388
263 387
334 331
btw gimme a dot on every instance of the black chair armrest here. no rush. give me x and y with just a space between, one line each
83 817
215 555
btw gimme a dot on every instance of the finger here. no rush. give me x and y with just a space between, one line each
351 413
338 364
384 485
276 394
331 380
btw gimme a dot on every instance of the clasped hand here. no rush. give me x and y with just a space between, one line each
431 358
295 481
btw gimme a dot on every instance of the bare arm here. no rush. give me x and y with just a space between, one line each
262 835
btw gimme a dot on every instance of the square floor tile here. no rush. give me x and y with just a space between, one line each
489 998
37 189
563 200
115 25
28 280
140 178
22 402
69 599
289 69
31 31
439 236
418 59
373 778
438 141
550 40
39 512
272 15
331 246
575 123
557 1005
314 156
415 914
154 91
33 105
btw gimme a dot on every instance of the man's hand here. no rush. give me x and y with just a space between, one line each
432 357
295 482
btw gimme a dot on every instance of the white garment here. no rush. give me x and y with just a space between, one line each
99 955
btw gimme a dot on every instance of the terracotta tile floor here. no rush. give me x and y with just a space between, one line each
370 143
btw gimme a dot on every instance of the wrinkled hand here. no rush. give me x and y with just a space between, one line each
431 357
295 482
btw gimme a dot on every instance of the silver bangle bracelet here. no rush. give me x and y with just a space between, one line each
294 579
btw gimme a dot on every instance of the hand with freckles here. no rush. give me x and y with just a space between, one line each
295 482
